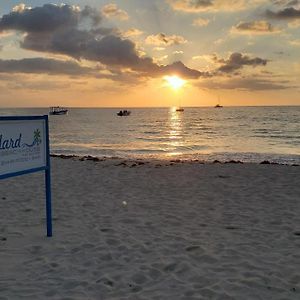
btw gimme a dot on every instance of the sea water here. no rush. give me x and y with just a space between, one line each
249 134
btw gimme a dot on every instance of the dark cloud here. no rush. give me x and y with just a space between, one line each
286 2
71 68
237 61
90 13
80 44
46 66
289 13
57 29
180 69
255 27
47 18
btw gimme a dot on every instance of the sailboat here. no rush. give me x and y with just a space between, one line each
179 108
218 105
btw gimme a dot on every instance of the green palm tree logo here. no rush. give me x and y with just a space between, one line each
37 137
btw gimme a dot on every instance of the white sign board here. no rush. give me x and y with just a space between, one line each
22 145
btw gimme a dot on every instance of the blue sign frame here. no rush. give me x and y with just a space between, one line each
46 168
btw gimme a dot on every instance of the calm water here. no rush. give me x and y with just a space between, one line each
240 133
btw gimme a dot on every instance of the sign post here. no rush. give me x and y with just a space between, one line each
24 149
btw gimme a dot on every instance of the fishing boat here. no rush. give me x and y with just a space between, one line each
58 110
179 109
124 113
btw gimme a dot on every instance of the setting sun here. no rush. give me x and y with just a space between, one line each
174 81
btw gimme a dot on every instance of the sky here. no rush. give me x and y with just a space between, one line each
90 53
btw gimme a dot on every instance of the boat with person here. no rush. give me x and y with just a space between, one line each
58 110
124 113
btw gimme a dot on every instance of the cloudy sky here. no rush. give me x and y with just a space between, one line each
103 53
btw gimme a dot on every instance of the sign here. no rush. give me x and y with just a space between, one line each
24 148
22 145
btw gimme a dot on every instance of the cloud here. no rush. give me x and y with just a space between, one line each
38 85
162 58
132 32
289 13
286 2
200 22
246 84
58 29
45 66
162 39
294 23
19 8
254 27
207 58
112 11
159 48
47 18
191 5
295 42
237 61
178 68
195 6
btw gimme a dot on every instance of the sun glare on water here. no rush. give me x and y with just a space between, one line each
174 81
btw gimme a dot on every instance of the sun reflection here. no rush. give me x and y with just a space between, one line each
175 132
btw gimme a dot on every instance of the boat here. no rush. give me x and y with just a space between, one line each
218 106
124 113
179 108
58 110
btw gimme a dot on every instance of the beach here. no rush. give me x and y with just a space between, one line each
150 229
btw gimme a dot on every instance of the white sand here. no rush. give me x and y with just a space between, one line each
185 231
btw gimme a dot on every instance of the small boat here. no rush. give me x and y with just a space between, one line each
124 113
58 110
218 106
179 108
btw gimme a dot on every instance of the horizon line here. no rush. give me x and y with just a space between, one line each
145 107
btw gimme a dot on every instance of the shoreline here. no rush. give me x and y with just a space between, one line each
167 161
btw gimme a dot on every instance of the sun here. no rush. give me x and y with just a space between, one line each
174 81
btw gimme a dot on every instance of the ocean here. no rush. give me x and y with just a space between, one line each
248 134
